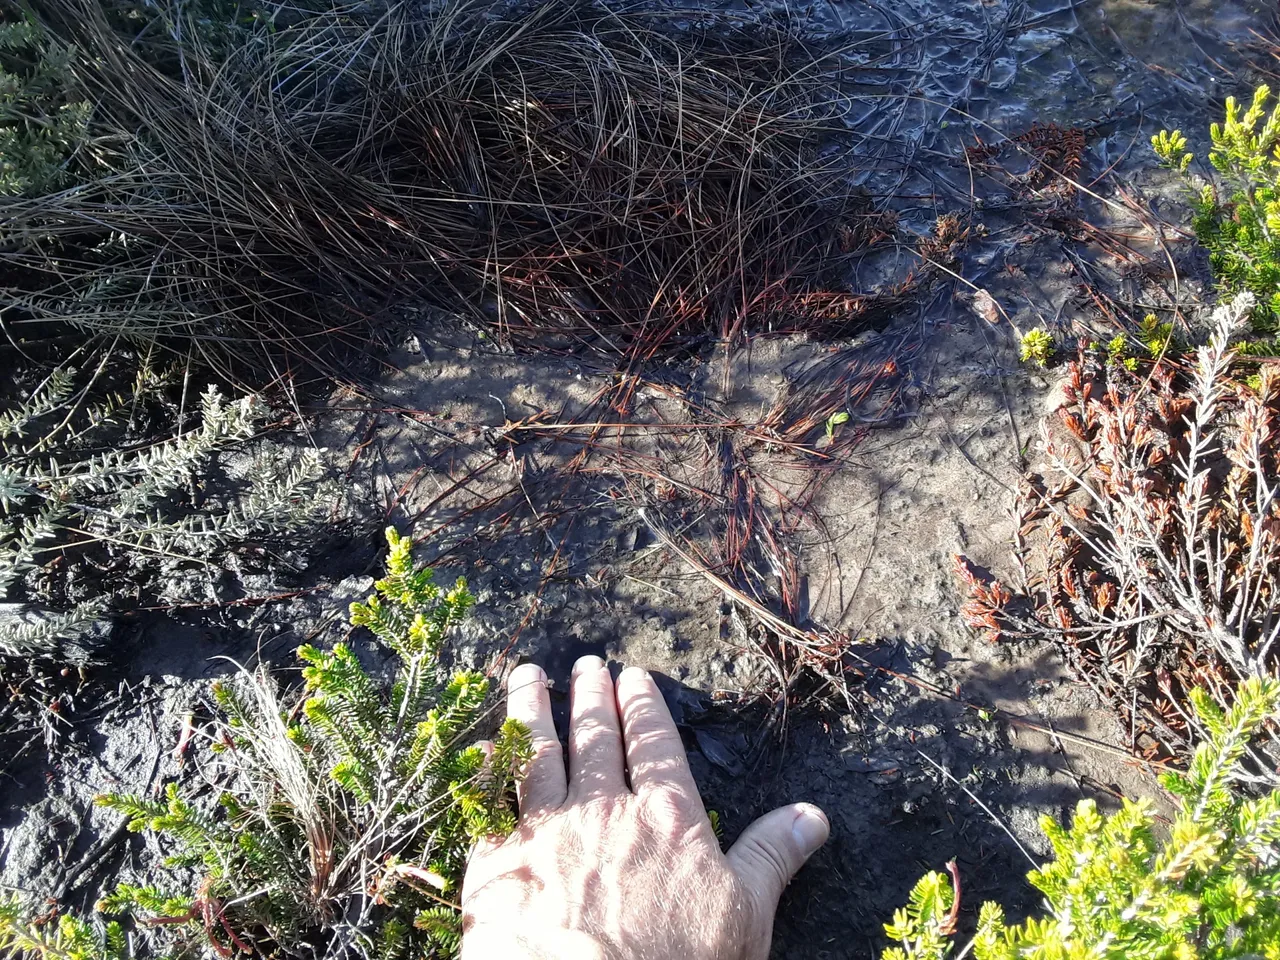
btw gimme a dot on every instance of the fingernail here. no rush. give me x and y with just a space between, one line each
811 828
526 674
587 664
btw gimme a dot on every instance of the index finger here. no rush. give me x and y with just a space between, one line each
655 752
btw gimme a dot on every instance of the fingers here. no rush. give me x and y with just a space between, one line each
493 938
655 752
774 848
595 739
543 786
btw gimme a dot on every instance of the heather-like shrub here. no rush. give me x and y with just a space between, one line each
1149 549
73 478
57 938
42 124
345 816
1119 887
1238 221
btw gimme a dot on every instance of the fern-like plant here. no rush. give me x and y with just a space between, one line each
1114 889
346 816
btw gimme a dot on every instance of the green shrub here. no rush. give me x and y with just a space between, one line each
42 124
1036 346
1145 547
46 142
1240 224
63 938
1210 889
347 817
73 476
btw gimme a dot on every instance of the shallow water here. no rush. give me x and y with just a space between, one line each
936 76
938 73
1011 62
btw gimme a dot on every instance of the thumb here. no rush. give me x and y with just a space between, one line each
775 847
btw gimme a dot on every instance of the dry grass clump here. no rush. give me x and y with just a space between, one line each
570 176
1150 550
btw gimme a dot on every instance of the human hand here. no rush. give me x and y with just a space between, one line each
600 870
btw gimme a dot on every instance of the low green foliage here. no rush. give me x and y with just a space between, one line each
62 938
924 926
1113 889
1171 148
347 817
73 476
42 125
1239 224
1159 338
1118 353
47 136
1036 346
1266 347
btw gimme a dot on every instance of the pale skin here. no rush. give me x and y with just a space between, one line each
614 858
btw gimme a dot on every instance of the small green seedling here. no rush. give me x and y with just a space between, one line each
834 421
1171 149
1156 336
1036 347
1118 353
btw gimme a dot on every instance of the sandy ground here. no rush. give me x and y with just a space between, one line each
905 774
909 779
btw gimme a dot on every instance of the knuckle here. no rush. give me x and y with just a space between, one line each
655 741
524 707
544 748
667 773
771 859
662 807
667 810
588 731
595 813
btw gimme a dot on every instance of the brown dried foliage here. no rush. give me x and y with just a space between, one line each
1149 550
574 178
1055 153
